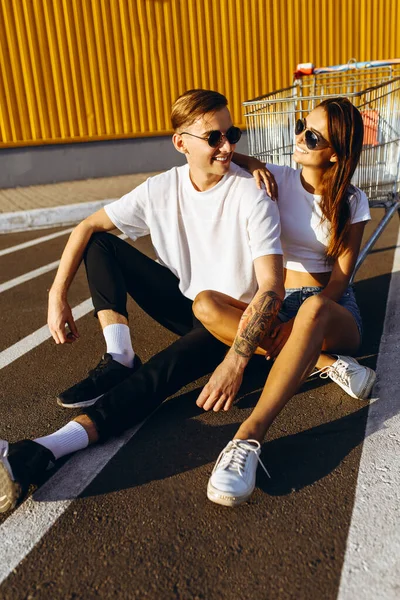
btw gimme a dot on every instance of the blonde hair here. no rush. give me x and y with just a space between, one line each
193 104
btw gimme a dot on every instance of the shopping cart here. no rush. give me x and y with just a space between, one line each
373 87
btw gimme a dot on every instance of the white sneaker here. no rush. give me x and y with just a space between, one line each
353 378
234 475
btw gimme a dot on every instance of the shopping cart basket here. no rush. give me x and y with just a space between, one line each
373 87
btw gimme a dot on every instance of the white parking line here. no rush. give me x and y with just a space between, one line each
28 524
20 533
39 336
39 240
7 285
36 272
372 561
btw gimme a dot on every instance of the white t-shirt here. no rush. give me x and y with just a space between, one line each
304 235
209 239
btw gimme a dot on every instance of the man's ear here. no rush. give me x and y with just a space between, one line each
333 158
179 144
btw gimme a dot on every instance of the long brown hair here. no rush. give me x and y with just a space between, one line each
346 132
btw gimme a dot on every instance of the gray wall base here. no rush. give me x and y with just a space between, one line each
37 165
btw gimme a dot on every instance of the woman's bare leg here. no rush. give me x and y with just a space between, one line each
220 314
319 324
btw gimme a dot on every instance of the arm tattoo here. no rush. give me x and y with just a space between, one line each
256 323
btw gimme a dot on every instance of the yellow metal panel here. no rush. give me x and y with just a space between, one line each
81 70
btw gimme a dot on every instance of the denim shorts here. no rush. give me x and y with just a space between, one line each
294 298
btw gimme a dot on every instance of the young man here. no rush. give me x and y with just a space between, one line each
211 229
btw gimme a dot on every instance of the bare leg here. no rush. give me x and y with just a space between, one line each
320 323
110 317
325 360
220 314
89 427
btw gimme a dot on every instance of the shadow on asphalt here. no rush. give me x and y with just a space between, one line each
180 437
371 298
299 460
166 448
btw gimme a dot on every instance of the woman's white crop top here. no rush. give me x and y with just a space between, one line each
304 236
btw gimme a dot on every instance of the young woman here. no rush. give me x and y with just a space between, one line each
322 219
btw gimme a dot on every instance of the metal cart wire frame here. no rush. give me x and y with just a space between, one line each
373 87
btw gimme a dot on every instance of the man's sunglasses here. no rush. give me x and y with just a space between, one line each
214 138
312 139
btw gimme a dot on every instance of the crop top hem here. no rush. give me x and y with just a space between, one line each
294 266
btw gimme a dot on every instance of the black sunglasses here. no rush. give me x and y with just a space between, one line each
214 138
312 139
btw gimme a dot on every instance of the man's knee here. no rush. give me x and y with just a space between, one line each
205 307
98 240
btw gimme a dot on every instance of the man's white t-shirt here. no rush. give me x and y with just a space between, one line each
209 239
305 235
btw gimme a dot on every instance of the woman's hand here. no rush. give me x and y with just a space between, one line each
263 177
59 315
278 339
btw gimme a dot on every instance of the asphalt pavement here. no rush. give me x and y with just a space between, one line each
141 525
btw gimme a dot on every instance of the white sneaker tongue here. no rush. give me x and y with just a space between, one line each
235 462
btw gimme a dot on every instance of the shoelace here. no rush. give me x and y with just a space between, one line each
339 371
99 369
235 455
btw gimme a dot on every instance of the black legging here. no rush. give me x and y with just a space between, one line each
114 268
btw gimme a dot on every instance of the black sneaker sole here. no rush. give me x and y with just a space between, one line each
10 490
83 404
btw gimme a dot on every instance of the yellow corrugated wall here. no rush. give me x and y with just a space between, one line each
80 70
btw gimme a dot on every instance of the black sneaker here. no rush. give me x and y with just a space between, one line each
21 464
100 380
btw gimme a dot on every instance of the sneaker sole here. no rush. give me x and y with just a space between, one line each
225 499
10 490
366 391
78 404
136 365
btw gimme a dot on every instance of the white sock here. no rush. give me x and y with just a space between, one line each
119 343
70 438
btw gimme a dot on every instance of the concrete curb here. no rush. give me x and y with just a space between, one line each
41 218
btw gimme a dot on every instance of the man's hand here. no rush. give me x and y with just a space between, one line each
278 339
59 315
220 392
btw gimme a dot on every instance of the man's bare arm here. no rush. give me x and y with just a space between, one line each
256 322
59 312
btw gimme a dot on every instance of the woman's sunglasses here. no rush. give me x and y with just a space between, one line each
214 138
312 139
